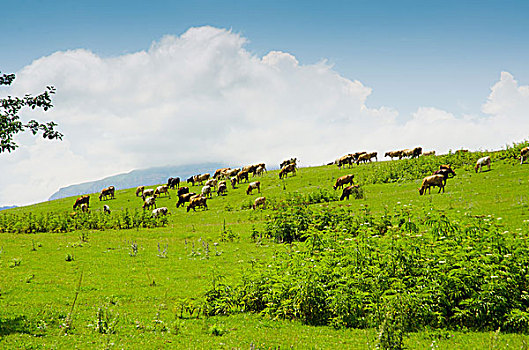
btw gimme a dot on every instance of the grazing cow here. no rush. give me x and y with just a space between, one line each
432 181
107 192
233 181
524 152
445 170
149 203
106 209
160 212
262 165
259 201
461 151
222 189
184 198
482 162
173 182
348 191
289 168
82 200
342 161
394 154
429 153
183 190
231 173
242 175
220 172
406 153
249 168
356 155
162 189
260 170
206 191
416 152
197 202
252 186
148 193
365 157
343 180
288 161
212 183
201 178
139 191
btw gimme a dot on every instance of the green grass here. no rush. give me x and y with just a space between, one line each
146 294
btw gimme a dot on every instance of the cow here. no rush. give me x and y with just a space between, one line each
260 170
242 175
445 170
184 198
162 189
482 162
162 211
149 202
342 180
432 181
417 151
84 208
252 186
106 209
183 190
201 178
287 162
429 153
107 192
231 173
394 154
289 168
259 201
206 191
212 183
198 202
82 200
346 192
524 152
233 182
148 193
365 157
173 182
191 180
220 172
139 191
222 189
342 161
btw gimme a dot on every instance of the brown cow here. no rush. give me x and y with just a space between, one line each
198 201
260 201
289 168
348 191
107 192
82 200
184 198
252 186
342 180
393 154
342 161
523 153
242 175
432 181
139 191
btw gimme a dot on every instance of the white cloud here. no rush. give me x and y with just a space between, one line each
202 96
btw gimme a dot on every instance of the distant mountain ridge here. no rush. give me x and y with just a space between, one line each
134 178
7 207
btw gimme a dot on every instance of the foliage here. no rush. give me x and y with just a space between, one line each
10 123
433 271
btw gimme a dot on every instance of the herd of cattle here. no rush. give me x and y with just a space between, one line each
227 176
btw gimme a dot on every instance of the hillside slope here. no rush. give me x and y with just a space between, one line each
147 177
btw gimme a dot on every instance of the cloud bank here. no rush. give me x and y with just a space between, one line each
202 96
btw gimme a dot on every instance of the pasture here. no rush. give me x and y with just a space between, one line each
233 277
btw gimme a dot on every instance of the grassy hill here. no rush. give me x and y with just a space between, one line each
183 280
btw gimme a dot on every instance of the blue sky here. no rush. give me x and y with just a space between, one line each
444 54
